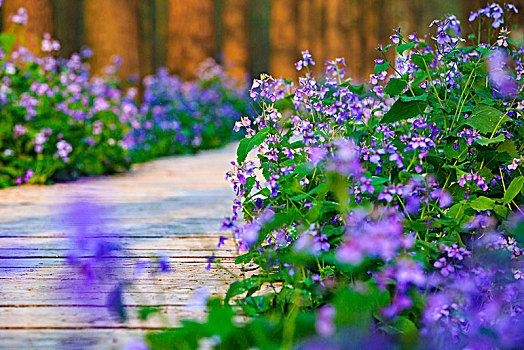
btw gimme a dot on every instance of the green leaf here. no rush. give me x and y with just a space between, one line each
403 110
320 187
456 154
405 325
403 47
455 210
244 258
501 210
235 288
423 97
509 148
220 318
246 145
6 42
513 189
381 67
486 118
484 141
284 104
482 203
423 60
375 180
395 86
146 311
357 89
279 220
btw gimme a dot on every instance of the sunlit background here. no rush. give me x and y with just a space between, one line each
247 36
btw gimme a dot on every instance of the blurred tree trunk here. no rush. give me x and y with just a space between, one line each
40 13
161 33
369 33
191 35
112 28
69 26
334 34
317 44
283 38
235 38
259 17
351 23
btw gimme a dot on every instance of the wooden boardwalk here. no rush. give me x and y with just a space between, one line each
170 207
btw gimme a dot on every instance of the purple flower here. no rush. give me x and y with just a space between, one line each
456 252
385 195
20 17
366 185
445 268
502 82
221 241
210 260
163 264
480 222
317 155
115 302
198 301
19 130
324 323
312 240
307 60
443 197
137 344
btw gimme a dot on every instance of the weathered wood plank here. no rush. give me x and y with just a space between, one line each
69 338
171 207
85 317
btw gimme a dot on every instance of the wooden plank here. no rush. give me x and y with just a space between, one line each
86 318
69 338
173 207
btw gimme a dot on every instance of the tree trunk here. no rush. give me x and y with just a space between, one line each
283 34
69 27
235 45
334 34
191 36
113 29
40 14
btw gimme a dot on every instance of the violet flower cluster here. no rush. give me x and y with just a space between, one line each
60 122
390 190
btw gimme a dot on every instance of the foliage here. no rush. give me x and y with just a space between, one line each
196 115
380 214
59 123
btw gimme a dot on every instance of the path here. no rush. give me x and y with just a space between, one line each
172 207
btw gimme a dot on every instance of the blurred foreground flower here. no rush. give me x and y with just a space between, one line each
97 277
502 82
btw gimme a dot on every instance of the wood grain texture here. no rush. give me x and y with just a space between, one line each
191 35
171 207
235 37
112 29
